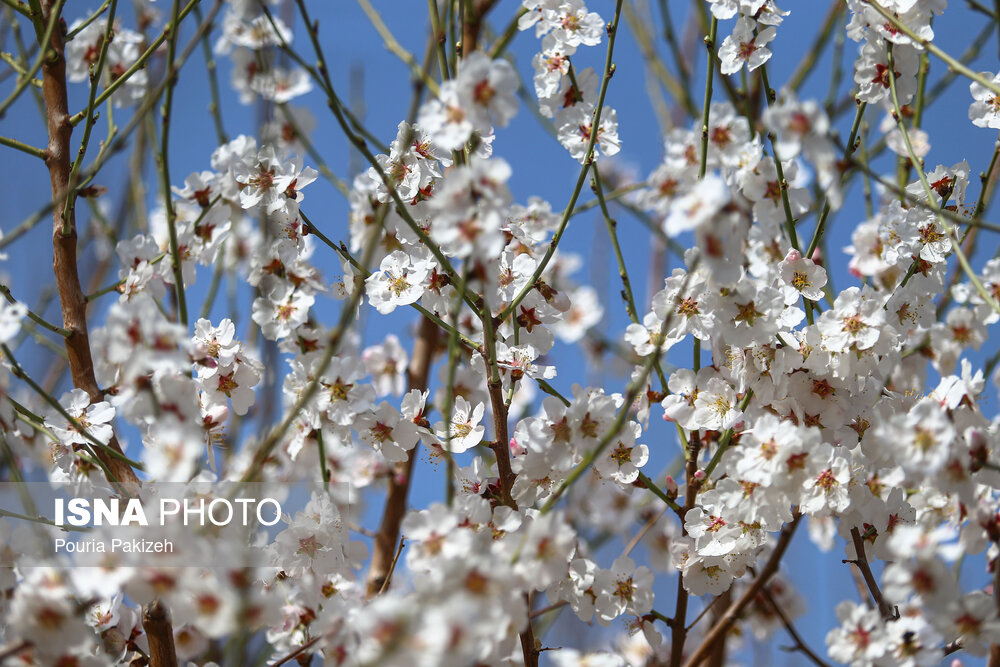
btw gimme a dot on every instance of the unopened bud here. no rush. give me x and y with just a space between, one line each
515 448
671 488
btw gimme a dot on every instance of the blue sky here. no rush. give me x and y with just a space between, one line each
540 167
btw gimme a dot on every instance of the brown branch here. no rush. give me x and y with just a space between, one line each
13 650
297 652
861 561
703 612
529 648
64 236
399 482
501 450
722 626
160 634
501 444
544 610
474 24
717 654
787 622
392 566
994 659
634 542
678 632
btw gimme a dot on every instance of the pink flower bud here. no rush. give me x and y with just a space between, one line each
515 448
671 487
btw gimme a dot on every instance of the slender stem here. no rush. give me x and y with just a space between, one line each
393 45
43 52
18 372
678 635
213 287
732 614
793 237
321 164
18 67
501 442
808 62
637 384
448 411
506 36
800 643
33 151
727 436
215 106
952 62
168 197
861 561
140 63
581 179
671 38
612 226
295 653
19 7
659 493
706 106
440 38
848 151
91 118
87 21
707 608
35 318
866 181
931 200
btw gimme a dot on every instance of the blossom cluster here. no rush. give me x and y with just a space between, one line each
861 413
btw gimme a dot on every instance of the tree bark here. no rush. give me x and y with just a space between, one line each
64 236
399 484
160 634
723 624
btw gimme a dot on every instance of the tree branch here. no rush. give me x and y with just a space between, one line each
861 561
787 622
160 634
727 620
64 236
399 482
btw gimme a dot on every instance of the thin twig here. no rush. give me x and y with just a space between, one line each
861 562
392 567
726 621
800 644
